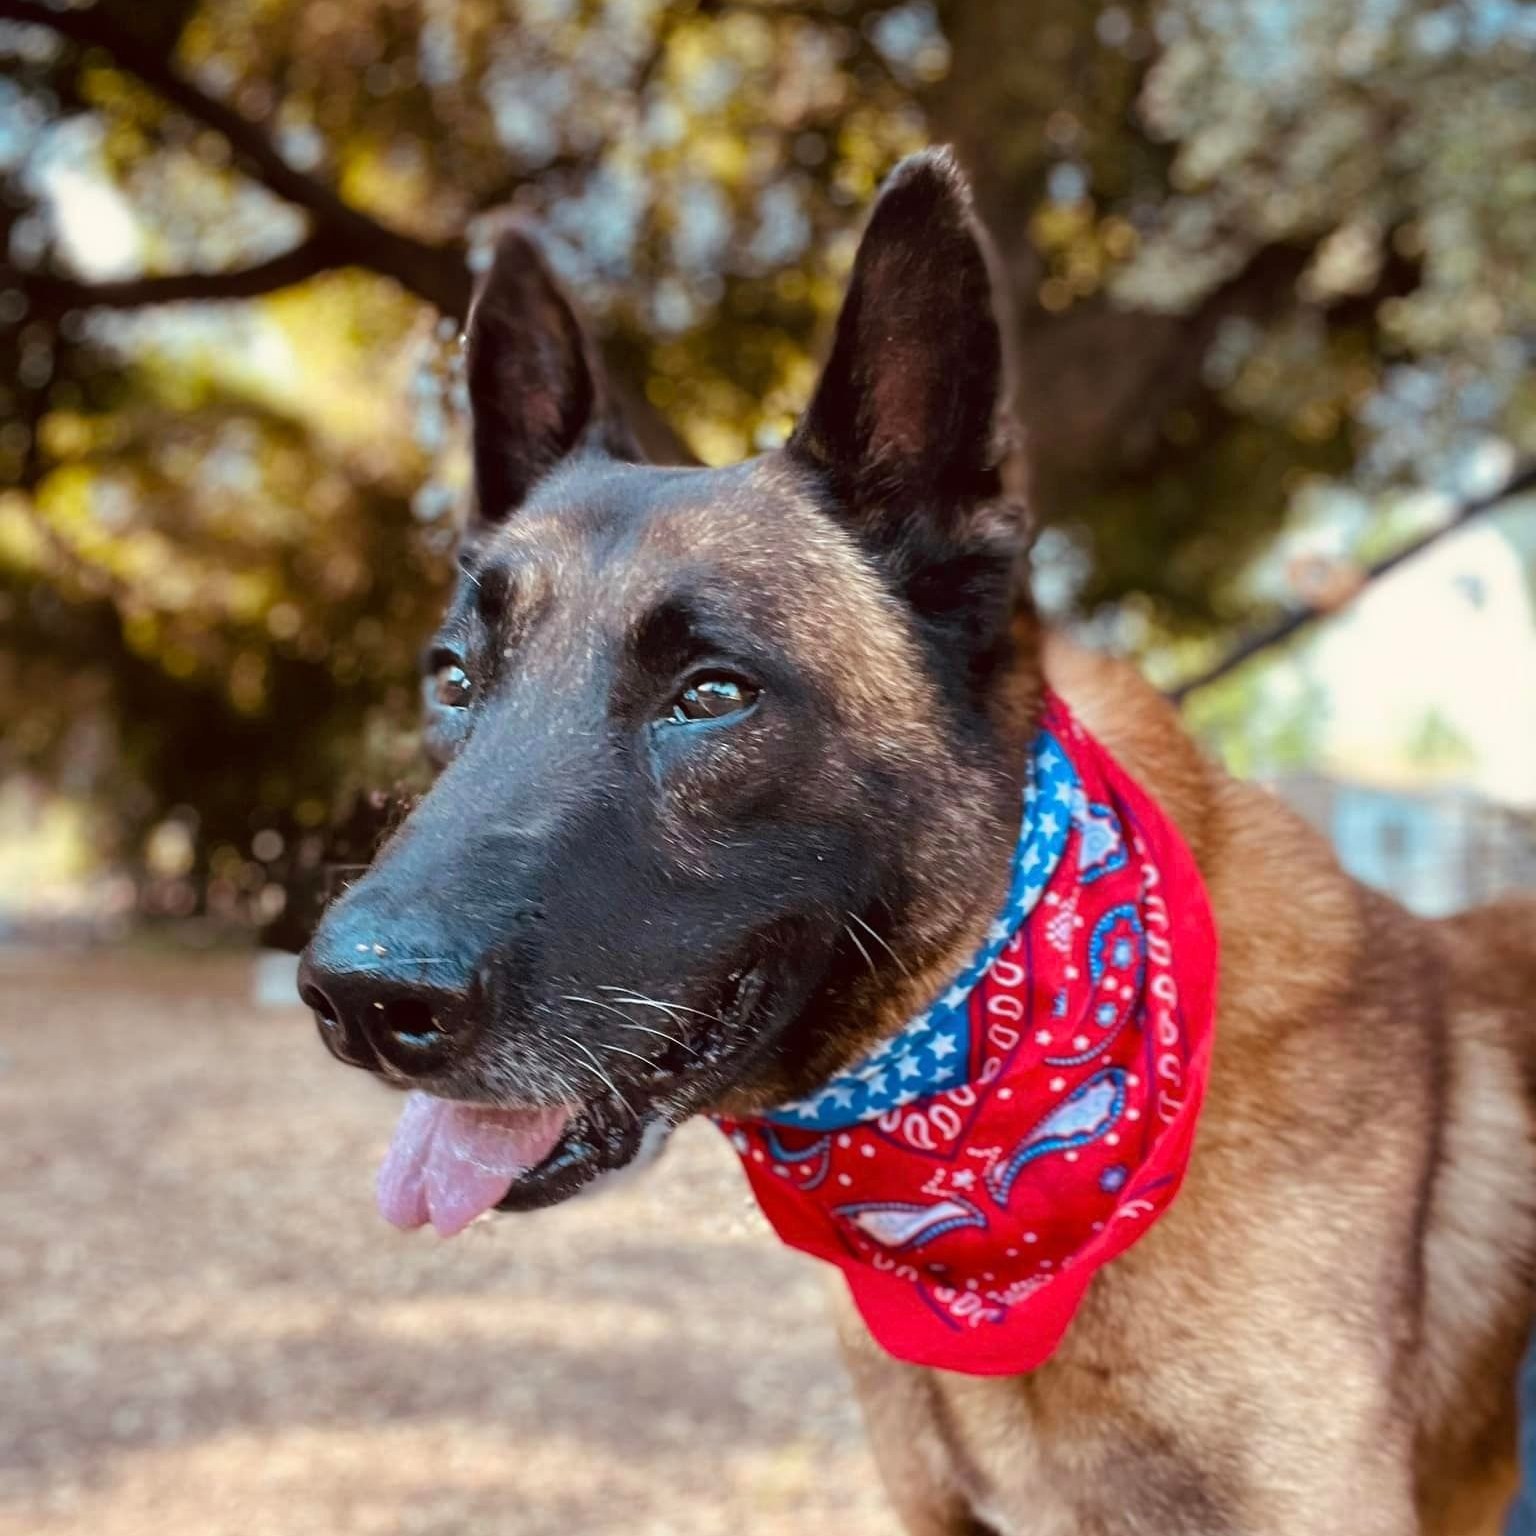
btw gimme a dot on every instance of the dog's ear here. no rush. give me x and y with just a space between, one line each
536 389
908 427
908 409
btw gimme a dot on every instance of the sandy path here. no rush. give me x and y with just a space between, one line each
204 1328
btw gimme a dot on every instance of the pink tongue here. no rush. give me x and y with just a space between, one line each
448 1163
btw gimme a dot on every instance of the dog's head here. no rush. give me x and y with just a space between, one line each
729 757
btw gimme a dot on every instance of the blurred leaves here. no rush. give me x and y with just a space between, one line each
1248 249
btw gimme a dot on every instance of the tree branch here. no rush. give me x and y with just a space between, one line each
436 273
342 235
93 27
1299 618
49 295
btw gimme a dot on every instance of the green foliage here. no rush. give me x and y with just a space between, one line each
1247 246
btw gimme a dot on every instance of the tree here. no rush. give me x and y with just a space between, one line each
1244 246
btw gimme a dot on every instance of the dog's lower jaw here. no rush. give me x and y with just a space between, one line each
653 1142
612 1136
595 1147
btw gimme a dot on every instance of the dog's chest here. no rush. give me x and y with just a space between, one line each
952 1447
1066 1451
1010 1475
1001 1510
1018 1474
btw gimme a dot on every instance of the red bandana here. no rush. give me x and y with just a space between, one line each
971 1173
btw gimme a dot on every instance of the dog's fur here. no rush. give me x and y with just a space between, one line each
1322 1335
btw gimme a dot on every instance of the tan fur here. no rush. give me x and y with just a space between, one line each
1322 1335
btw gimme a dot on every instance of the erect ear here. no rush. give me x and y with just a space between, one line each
908 407
536 388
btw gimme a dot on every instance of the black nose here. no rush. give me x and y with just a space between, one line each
416 1015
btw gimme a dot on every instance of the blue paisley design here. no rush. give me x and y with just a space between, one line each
1085 1116
901 1224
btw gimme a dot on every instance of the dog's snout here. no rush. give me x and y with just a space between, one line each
414 1015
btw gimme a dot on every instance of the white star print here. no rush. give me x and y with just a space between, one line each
963 1179
896 1071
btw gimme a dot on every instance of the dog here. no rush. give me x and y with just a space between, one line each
730 772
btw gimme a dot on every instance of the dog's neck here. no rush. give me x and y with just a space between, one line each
912 975
1141 727
1123 711
1022 1129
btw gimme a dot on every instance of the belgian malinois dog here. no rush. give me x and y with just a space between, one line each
731 769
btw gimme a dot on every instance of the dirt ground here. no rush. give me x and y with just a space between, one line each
205 1328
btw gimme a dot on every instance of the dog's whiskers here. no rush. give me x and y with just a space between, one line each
661 1034
858 946
626 996
629 995
608 1045
597 1069
571 1095
565 1083
629 1023
881 940
573 997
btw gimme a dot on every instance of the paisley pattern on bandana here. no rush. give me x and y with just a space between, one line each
970 1173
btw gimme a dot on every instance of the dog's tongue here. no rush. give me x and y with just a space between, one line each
450 1162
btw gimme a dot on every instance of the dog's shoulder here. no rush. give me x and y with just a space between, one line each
1491 950
1141 729
1261 861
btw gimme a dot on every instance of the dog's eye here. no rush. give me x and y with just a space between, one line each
710 698
451 685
